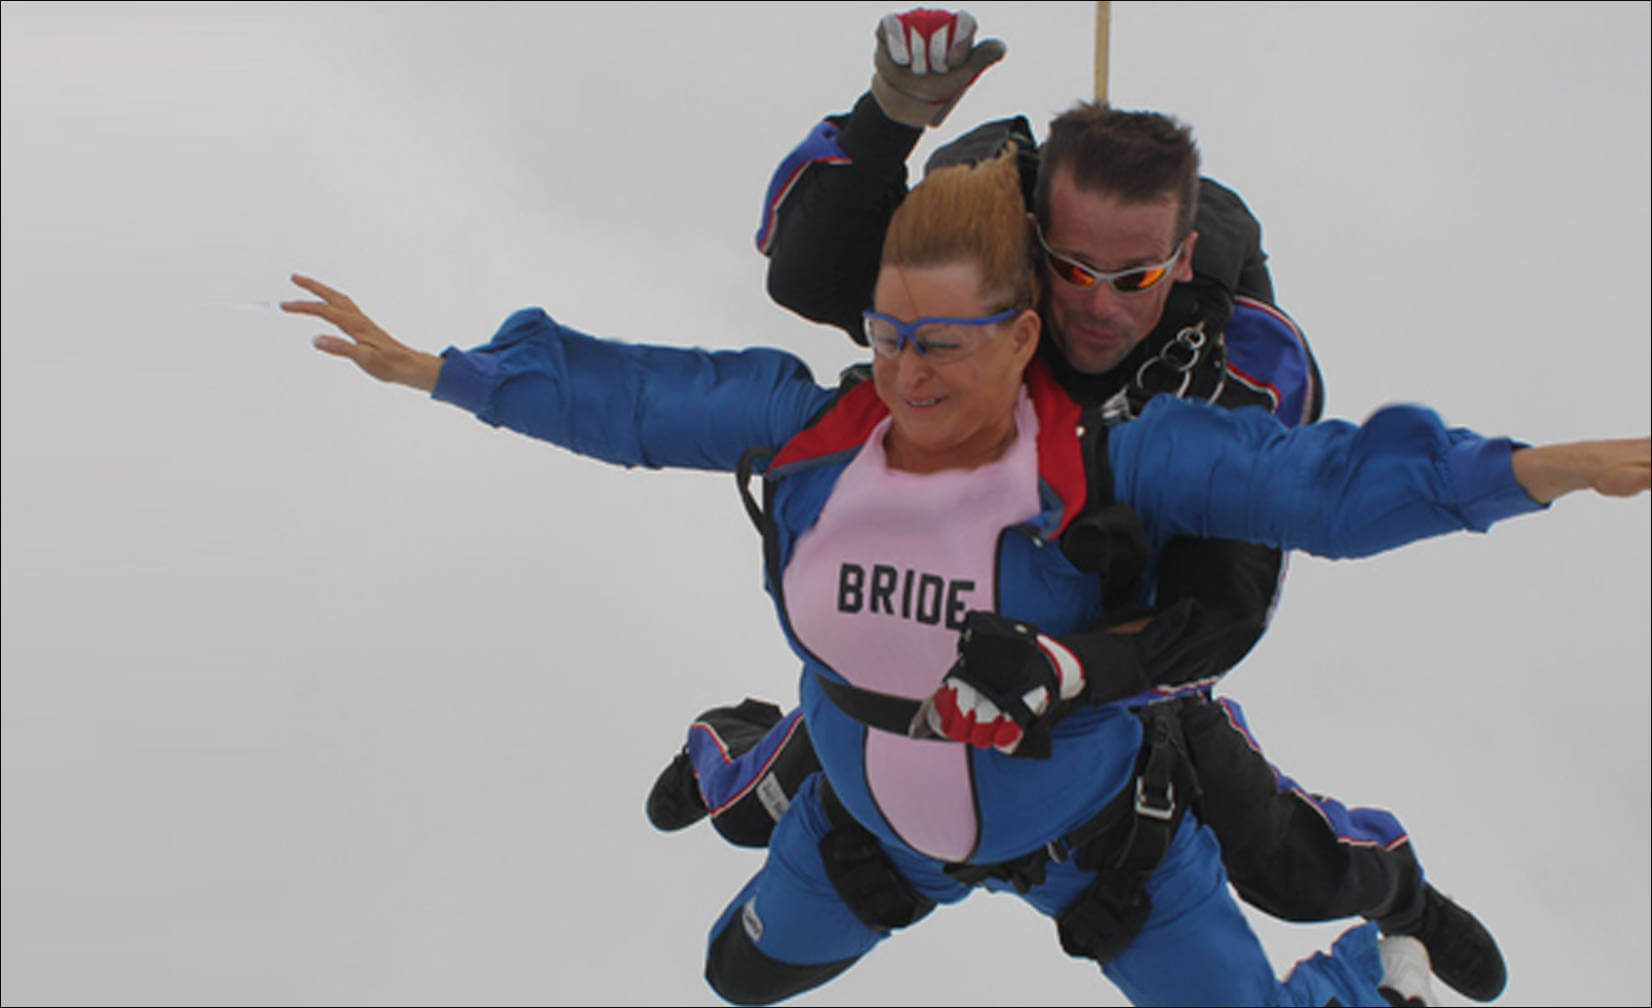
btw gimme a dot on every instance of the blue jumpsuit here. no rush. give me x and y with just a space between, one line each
1330 488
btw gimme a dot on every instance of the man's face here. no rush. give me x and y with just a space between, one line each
1097 328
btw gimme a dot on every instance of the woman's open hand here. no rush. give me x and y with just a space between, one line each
374 350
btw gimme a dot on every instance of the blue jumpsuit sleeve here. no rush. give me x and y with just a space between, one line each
1267 351
820 147
1330 488
630 404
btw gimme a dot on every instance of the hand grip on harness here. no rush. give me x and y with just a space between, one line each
1008 682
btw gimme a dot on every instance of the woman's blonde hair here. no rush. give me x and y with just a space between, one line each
970 213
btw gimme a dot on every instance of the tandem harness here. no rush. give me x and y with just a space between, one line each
1123 844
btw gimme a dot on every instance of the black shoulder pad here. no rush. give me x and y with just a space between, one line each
1229 251
1194 302
987 141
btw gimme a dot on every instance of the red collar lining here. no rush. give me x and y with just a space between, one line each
1060 459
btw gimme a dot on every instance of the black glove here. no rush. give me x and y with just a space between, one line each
1005 688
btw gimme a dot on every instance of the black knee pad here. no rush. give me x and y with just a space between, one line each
741 974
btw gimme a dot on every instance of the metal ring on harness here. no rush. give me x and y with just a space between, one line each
1164 811
1188 345
1180 357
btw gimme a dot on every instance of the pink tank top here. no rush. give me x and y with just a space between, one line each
878 589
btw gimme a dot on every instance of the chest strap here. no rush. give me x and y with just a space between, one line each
876 710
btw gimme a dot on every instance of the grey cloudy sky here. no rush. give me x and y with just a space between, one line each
316 692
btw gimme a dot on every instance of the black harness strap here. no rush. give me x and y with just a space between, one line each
1105 919
876 710
742 480
1122 844
848 378
1134 829
1105 537
860 870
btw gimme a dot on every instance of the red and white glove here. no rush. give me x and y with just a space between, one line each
1005 688
924 62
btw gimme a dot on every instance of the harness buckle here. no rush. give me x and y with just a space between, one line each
1162 812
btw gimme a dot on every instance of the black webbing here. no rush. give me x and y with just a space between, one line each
876 710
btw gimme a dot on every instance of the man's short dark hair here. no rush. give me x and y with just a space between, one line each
1137 157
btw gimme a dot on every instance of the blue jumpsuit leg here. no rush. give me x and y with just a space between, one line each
789 909
788 930
1196 947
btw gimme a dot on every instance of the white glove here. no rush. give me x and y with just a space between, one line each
925 60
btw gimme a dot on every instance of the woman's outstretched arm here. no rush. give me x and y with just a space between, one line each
629 404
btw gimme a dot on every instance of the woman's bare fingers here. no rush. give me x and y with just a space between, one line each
316 308
322 291
372 349
337 347
364 355
340 311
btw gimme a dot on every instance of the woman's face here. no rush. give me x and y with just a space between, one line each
960 414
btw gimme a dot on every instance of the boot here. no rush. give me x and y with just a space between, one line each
675 801
1462 952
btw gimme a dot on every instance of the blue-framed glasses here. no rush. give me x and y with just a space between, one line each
1128 281
937 339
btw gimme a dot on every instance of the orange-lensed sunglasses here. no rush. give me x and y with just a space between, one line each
1127 281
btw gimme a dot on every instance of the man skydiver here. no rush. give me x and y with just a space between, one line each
1163 291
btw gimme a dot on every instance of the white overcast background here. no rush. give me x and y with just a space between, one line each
316 692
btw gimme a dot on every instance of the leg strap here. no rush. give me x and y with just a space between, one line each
1105 919
864 876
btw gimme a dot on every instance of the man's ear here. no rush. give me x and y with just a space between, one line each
1032 233
1184 266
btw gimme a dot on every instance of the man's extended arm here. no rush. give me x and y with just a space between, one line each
826 212
830 201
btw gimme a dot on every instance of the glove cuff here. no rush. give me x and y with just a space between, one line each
1069 671
909 110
